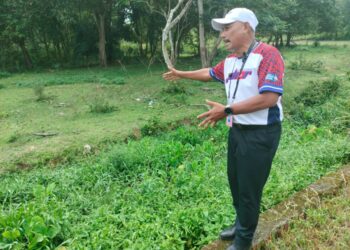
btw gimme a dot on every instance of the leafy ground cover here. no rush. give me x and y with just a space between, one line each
169 190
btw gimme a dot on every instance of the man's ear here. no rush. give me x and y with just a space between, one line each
248 28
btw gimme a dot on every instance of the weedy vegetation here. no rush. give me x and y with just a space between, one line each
166 188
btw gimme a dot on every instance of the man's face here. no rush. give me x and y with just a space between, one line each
233 34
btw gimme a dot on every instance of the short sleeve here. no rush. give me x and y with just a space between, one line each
217 72
271 72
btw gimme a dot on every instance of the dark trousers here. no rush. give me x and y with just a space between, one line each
250 154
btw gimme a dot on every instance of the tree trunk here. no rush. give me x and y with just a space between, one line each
100 19
140 48
270 39
172 47
46 48
281 41
214 51
289 39
202 45
276 40
28 61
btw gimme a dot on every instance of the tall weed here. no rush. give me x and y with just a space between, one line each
317 93
302 64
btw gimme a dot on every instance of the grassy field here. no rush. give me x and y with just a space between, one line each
128 97
163 191
325 227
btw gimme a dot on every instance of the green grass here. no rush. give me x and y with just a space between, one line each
324 227
167 191
71 96
67 110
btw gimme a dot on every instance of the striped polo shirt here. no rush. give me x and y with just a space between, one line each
262 72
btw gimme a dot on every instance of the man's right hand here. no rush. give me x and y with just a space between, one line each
171 75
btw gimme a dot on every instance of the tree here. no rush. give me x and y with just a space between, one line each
207 55
171 21
102 12
203 47
16 24
101 9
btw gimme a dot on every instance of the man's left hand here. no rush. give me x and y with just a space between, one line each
212 116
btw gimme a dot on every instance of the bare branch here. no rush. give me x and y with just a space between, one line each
183 11
170 23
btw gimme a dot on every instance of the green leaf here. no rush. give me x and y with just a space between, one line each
53 231
34 242
11 235
5 246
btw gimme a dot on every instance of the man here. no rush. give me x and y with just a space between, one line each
253 79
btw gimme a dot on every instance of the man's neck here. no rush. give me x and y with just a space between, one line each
245 47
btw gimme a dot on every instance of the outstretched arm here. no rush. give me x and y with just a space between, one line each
200 75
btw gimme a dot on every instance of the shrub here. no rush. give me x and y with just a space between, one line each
317 105
98 101
176 100
39 92
152 127
318 93
99 104
302 64
4 74
316 43
175 88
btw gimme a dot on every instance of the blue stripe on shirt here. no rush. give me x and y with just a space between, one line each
212 74
271 88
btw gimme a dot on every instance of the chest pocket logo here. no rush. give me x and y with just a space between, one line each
235 75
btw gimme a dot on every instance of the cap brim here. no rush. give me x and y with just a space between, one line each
219 23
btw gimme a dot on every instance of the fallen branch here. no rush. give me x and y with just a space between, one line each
45 134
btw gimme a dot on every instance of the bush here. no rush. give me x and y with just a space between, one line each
100 105
98 101
152 127
175 88
316 43
318 93
176 100
302 64
39 92
4 74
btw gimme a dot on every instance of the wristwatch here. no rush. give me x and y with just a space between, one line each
228 110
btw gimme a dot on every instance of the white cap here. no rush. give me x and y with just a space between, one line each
236 14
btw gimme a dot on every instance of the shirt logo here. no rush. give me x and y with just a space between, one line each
271 77
234 75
